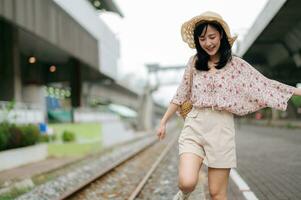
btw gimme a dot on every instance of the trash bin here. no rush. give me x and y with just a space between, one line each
43 128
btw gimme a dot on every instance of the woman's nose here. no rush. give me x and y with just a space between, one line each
207 43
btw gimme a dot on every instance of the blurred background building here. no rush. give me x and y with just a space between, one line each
58 57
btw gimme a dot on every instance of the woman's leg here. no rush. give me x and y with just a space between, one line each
189 167
218 182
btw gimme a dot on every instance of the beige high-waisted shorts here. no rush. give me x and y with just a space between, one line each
209 134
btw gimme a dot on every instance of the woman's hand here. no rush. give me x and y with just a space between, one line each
161 131
297 91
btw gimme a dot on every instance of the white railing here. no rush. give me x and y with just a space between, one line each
22 113
89 115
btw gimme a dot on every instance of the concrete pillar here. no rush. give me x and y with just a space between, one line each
35 94
146 111
148 115
75 83
10 73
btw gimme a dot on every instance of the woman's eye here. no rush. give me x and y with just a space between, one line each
212 38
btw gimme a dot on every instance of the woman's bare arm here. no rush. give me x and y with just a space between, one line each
172 108
297 91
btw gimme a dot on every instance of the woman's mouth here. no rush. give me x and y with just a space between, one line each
210 49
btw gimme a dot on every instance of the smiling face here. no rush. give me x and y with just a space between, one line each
210 40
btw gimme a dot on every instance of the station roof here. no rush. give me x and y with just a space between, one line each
274 41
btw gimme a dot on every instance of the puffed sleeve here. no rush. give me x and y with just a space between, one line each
260 91
183 91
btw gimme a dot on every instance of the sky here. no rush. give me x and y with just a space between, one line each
150 33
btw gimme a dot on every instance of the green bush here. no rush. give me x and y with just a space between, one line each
47 138
30 135
296 100
4 135
68 136
44 138
53 137
14 136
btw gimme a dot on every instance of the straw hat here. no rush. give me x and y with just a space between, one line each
187 28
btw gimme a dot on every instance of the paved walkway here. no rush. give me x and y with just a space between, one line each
30 170
269 160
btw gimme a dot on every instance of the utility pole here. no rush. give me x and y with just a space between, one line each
146 107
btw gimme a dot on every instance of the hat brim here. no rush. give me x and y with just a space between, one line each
187 29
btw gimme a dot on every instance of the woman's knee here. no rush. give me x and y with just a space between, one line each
217 194
187 185
189 167
218 183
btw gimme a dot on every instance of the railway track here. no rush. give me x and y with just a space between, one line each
126 179
119 175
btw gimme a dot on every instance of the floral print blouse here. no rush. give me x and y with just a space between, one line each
238 88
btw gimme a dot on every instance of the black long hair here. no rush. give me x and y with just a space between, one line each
201 62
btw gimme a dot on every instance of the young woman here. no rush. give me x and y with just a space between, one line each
219 85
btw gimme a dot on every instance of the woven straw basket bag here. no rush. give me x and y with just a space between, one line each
186 107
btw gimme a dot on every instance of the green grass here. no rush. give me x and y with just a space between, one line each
88 139
14 193
73 149
83 131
